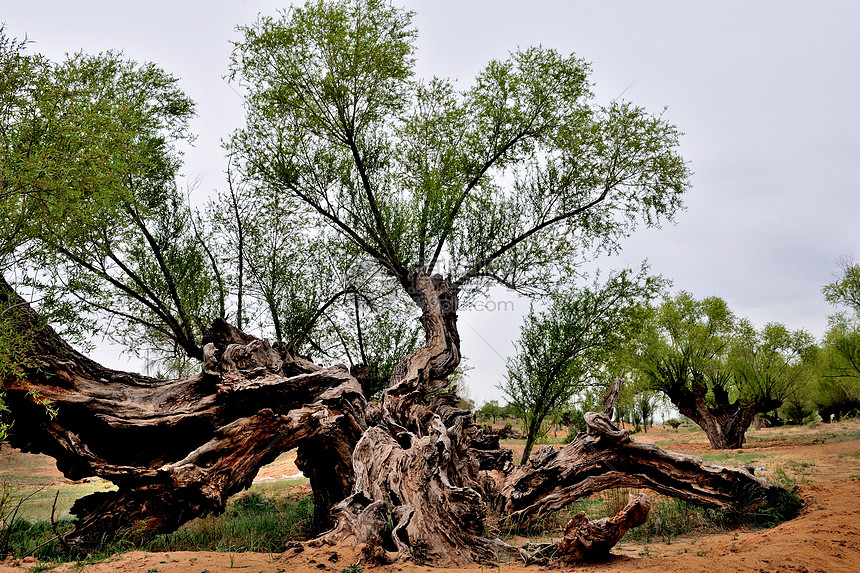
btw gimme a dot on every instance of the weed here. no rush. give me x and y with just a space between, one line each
354 568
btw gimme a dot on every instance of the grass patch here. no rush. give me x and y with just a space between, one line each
39 503
730 456
829 436
670 518
252 522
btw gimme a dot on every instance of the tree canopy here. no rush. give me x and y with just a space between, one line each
510 181
92 217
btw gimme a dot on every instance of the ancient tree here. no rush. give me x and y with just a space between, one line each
437 193
716 369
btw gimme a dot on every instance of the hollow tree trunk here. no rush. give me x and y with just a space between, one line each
420 475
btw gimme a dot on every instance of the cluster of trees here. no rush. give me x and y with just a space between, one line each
716 369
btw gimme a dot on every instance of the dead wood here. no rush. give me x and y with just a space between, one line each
606 458
177 449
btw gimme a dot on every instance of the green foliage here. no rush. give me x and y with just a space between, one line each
719 370
577 424
672 423
837 392
845 291
502 183
351 175
670 518
489 411
16 353
92 218
768 365
561 348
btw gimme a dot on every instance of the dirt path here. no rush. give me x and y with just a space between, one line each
825 538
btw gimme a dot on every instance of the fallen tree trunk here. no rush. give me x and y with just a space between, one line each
606 458
412 477
177 449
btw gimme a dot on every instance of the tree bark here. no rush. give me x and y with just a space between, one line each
724 422
177 449
413 477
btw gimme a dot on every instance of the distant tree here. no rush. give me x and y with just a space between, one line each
644 406
718 370
837 392
798 404
490 410
561 348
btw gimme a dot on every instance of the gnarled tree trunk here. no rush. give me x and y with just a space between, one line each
413 477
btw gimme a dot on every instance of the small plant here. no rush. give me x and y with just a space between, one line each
673 422
354 568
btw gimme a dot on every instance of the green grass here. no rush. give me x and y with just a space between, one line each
828 436
549 439
279 487
671 518
252 522
40 500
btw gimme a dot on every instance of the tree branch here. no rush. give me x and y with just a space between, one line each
480 265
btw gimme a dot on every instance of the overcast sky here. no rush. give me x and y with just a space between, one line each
765 92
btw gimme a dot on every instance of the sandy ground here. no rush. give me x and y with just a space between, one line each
825 538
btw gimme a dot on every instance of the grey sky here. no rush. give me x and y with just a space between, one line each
766 93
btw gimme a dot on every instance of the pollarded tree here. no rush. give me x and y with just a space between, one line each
719 371
562 348
510 181
837 390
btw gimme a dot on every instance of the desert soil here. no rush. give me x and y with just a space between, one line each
825 538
